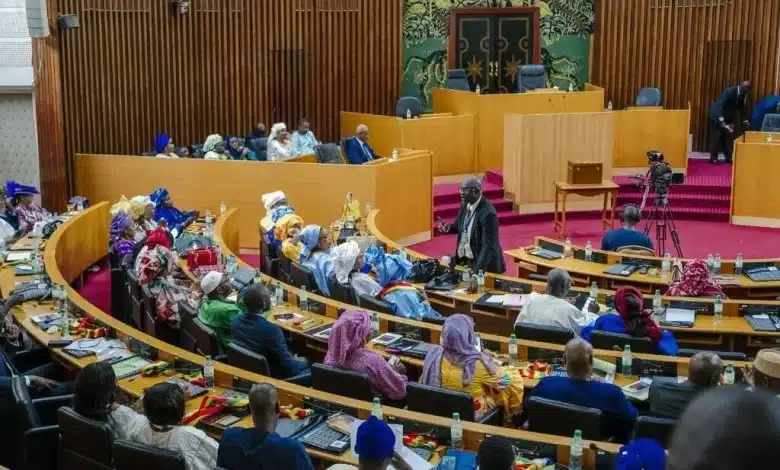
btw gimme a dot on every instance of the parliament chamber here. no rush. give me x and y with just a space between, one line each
390 234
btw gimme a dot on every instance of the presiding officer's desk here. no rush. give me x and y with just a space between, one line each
83 240
754 188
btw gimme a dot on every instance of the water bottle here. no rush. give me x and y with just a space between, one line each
303 303
394 155
716 264
729 375
408 113
368 208
208 373
376 408
456 432
481 281
209 217
477 90
231 265
666 266
575 451
571 87
738 265
222 208
465 276
594 291
36 262
278 294
710 264
609 106
626 361
64 324
657 301
717 315
567 251
769 138
375 327
512 350
588 252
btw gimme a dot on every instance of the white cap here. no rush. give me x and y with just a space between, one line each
211 281
272 198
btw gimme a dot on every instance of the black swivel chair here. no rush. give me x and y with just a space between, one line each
457 80
655 428
85 444
343 382
243 358
442 402
724 355
408 103
607 340
562 419
542 333
531 77
372 303
302 276
771 123
269 258
329 153
199 338
119 298
434 320
132 456
136 299
153 326
341 292
648 97
285 270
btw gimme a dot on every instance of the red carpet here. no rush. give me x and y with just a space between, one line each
97 289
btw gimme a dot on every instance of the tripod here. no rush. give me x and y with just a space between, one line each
661 216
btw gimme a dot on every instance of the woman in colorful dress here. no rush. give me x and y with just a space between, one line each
22 198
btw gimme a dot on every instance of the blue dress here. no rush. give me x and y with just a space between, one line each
173 216
613 323
321 265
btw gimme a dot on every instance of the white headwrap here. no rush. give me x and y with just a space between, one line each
275 130
211 142
344 257
269 199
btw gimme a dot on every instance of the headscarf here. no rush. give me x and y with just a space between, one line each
642 326
388 268
641 454
158 237
119 223
275 130
695 282
279 212
310 237
344 257
138 206
374 440
271 199
211 142
14 189
122 206
158 196
161 141
283 226
347 335
458 347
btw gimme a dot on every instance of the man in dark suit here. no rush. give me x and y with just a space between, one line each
478 246
723 115
357 149
669 399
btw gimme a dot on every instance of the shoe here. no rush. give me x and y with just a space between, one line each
713 162
728 162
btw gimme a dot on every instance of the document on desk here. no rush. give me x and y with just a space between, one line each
496 299
679 315
516 300
18 256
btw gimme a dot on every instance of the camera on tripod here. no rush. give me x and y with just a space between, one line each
659 178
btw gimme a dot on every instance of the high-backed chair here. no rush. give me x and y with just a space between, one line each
648 97
152 324
85 444
457 80
443 402
657 429
243 358
343 382
531 77
302 276
771 123
410 103
269 257
341 292
136 299
132 456
434 320
372 303
545 334
199 338
329 153
555 417
285 270
636 250
724 355
607 340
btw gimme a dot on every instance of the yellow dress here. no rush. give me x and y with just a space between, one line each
291 250
504 389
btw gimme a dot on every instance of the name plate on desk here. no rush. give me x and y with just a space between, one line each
513 286
596 257
703 308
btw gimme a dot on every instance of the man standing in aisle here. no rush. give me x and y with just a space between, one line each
723 115
478 245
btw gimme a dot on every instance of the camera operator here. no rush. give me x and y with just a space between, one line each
627 235
723 115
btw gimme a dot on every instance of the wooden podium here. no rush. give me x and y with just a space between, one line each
754 189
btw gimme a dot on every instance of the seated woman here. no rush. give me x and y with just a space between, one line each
237 151
26 210
279 143
695 282
405 299
121 235
346 350
315 255
287 235
164 209
276 206
457 364
164 147
633 320
142 212
155 267
214 148
9 222
162 427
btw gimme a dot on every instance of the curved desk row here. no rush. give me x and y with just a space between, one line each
82 241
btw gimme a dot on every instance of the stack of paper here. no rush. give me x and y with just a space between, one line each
508 300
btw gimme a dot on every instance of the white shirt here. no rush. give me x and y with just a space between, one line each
364 284
342 466
6 230
167 155
278 152
198 449
547 310
464 248
123 420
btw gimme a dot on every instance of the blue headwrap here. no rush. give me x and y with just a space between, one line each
310 236
17 189
119 224
158 196
161 141
279 212
375 440
388 268
641 454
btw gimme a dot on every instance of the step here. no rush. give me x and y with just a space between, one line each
490 192
494 177
447 211
680 200
679 190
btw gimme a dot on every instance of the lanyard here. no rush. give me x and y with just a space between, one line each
469 220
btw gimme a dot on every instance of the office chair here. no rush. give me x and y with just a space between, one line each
648 97
545 334
531 77
244 358
199 338
457 80
411 103
269 257
132 456
329 153
771 123
724 355
607 340
152 324
372 303
343 382
636 250
285 269
84 444
562 419
302 277
341 292
136 299
443 402
434 320
657 429
119 299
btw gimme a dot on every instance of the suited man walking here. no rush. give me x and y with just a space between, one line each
723 114
477 227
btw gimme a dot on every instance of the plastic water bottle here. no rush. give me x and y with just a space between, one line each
626 361
64 324
738 265
571 87
456 432
481 281
303 303
588 252
465 276
657 302
394 155
231 265
512 350
717 311
716 264
567 251
376 408
222 208
769 138
408 113
710 264
477 90
208 373
594 291
278 294
375 326
729 375
666 266
575 451
609 106
368 208
80 206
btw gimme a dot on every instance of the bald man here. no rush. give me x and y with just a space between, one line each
478 245
552 309
357 148
669 399
627 235
578 388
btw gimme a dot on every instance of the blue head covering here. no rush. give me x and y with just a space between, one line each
375 440
161 141
158 196
310 236
388 268
279 212
119 224
17 189
641 454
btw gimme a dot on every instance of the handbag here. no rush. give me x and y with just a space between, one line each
423 270
351 208
202 257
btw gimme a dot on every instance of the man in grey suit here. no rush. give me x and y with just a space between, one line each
668 398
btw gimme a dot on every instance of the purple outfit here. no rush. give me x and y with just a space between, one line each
119 225
346 351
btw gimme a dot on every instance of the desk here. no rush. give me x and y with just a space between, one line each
754 188
607 188
759 137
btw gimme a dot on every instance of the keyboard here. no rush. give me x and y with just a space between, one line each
326 439
767 274
764 322
423 452
621 269
546 254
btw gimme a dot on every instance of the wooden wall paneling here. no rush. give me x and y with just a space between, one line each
670 45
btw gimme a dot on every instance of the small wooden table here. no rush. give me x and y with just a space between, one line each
607 188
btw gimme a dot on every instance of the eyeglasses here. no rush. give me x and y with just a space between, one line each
468 190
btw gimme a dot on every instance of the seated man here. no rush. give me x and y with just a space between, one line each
766 371
253 331
375 447
216 312
261 447
578 389
357 149
551 309
303 141
627 235
668 398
